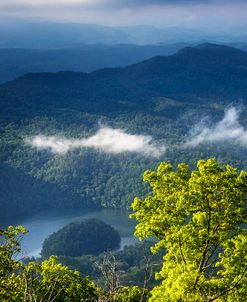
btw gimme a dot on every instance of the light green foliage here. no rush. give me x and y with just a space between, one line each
200 218
46 281
55 282
132 294
9 248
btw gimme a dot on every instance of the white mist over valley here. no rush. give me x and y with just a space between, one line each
229 129
108 140
117 141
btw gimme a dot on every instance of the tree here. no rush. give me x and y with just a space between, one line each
46 281
52 281
91 236
9 249
132 294
200 218
109 270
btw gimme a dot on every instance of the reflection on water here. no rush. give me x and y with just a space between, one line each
44 223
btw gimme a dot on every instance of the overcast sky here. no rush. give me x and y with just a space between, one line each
204 14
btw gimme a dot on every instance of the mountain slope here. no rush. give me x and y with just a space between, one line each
86 58
192 75
163 97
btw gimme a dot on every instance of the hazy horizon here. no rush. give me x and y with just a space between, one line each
215 16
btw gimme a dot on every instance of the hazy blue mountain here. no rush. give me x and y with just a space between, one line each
241 45
15 62
43 34
193 74
163 97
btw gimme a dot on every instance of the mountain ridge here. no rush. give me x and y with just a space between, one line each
188 51
220 72
86 58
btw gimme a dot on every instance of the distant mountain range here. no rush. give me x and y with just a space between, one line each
41 46
15 62
194 74
17 33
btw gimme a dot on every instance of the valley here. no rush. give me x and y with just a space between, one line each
165 99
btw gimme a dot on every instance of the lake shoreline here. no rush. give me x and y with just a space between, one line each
42 224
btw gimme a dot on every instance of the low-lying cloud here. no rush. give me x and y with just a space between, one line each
108 140
116 141
228 129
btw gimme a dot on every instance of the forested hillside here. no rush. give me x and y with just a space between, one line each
171 99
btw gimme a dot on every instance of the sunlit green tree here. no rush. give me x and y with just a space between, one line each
9 266
132 294
52 281
46 281
200 218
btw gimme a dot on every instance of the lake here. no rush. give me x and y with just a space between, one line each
42 224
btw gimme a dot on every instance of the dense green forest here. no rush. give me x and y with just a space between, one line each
91 236
167 98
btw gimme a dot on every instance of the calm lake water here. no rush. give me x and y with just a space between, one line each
44 223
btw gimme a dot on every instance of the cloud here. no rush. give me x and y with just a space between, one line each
228 129
116 3
111 4
216 16
46 2
116 141
108 140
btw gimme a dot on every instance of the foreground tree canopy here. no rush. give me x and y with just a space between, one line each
47 281
91 236
200 218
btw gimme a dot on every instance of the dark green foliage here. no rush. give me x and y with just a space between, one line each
162 97
132 263
90 236
27 194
